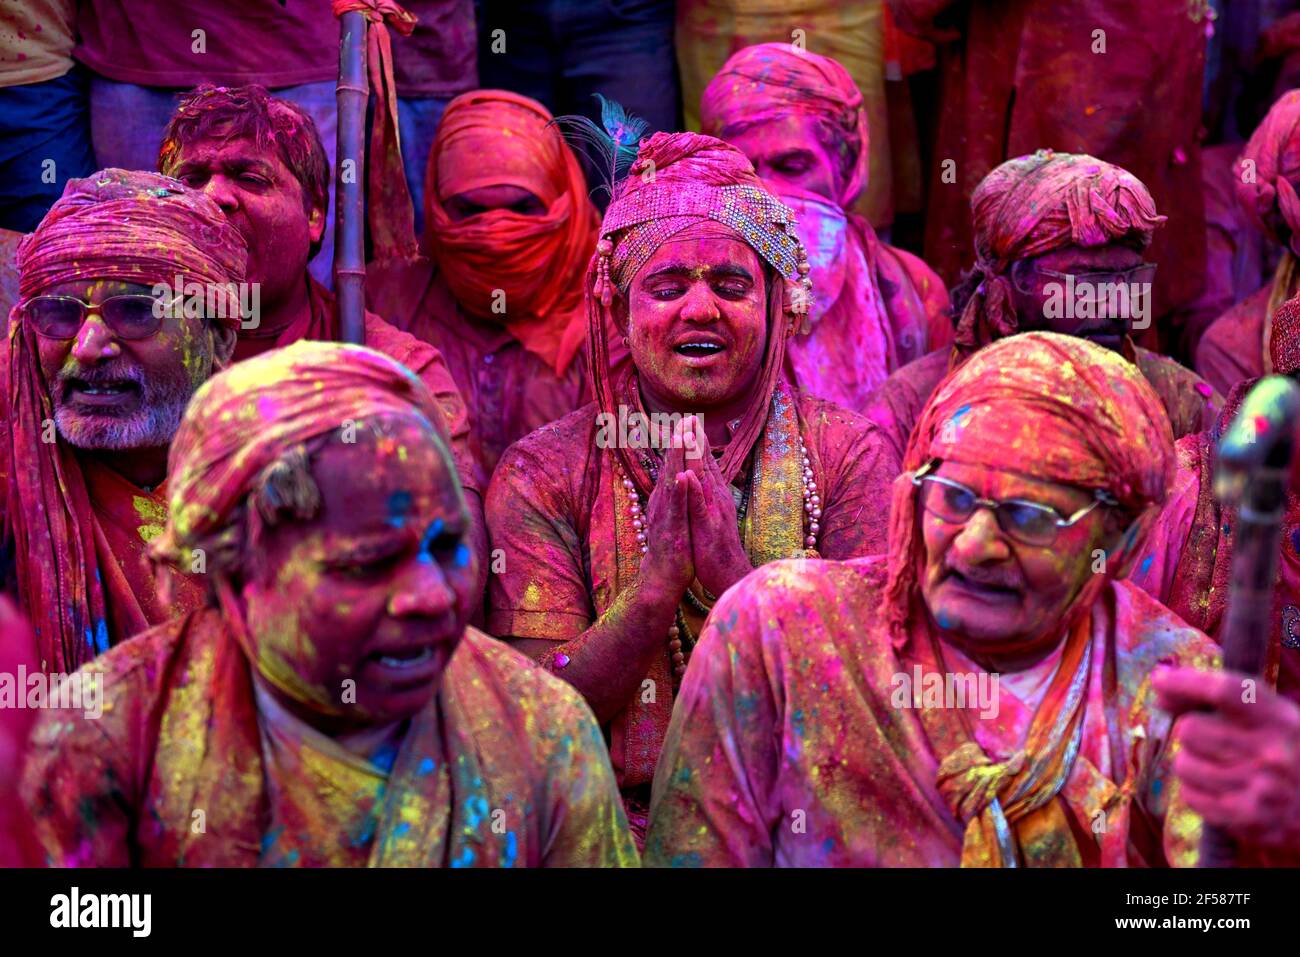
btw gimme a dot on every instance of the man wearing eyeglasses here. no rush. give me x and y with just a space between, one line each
979 697
96 377
1059 243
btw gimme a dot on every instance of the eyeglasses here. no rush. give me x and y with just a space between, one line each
1026 278
131 316
1028 523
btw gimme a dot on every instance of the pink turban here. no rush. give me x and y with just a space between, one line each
1033 204
128 226
680 181
1264 188
769 81
131 226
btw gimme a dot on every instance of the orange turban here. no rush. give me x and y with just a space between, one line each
1048 406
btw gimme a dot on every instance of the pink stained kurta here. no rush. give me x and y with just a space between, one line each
1024 75
1232 348
18 848
786 747
508 390
505 767
1187 562
1234 253
1191 403
551 514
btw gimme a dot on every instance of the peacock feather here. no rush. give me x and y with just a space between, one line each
611 146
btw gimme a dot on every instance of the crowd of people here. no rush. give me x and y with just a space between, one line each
671 510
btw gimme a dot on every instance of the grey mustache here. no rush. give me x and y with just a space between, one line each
102 374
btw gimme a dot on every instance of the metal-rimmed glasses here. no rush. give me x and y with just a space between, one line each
1029 523
128 316
1142 275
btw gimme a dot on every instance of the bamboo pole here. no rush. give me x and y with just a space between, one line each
353 93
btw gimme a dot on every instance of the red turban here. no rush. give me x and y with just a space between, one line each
680 181
132 226
128 226
1033 204
495 138
1264 187
1047 406
769 81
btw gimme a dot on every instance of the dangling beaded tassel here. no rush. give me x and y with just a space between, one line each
802 305
604 250
676 652
638 518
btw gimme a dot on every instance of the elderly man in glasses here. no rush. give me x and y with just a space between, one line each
981 695
1059 243
96 377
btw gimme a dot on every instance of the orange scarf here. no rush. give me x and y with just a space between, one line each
523 271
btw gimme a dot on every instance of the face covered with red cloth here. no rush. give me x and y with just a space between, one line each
509 221
96 349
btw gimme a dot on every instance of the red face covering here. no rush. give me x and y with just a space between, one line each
494 138
130 226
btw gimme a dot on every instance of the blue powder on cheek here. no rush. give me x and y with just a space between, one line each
462 555
399 505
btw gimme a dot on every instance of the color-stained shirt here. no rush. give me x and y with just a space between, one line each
544 512
441 57
508 390
36 38
322 323
1027 76
558 517
1191 403
1187 562
1232 348
505 767
275 43
802 739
